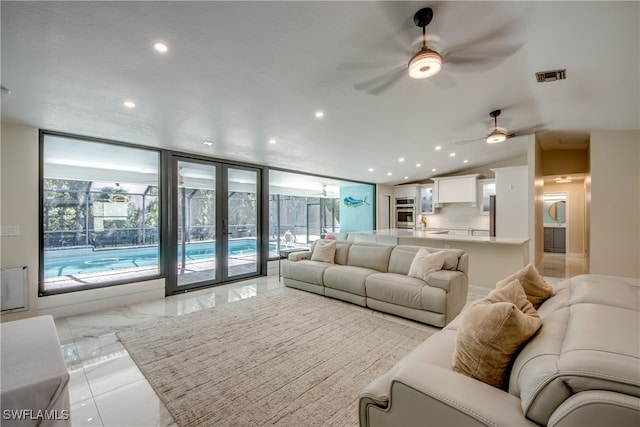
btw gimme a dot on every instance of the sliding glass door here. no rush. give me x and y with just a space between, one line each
214 232
241 224
195 225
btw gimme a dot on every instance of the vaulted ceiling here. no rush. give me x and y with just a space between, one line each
240 74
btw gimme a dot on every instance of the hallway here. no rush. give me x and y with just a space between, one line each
562 265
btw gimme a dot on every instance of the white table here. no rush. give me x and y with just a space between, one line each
35 381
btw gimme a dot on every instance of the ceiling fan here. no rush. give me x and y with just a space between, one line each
428 63
323 193
499 134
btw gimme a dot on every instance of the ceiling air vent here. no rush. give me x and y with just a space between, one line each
551 76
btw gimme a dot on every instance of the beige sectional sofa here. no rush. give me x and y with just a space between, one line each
375 275
581 368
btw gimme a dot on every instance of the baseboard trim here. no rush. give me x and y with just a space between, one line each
91 300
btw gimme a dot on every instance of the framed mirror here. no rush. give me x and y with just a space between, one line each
557 211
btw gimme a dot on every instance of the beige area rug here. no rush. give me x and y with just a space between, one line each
288 358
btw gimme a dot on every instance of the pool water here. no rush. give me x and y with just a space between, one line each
64 262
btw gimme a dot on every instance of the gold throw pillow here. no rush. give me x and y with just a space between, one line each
492 332
534 285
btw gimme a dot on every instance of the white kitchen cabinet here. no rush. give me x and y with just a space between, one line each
456 189
512 215
459 232
427 205
405 191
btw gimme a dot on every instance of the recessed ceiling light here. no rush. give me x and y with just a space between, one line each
438 147
401 159
207 143
129 104
465 161
406 177
433 170
389 174
161 47
272 141
370 169
418 165
452 154
319 114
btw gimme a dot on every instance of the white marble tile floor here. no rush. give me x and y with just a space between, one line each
107 388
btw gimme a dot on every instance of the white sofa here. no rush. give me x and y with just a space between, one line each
375 275
582 368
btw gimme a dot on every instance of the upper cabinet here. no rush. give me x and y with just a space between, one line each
456 189
427 205
405 191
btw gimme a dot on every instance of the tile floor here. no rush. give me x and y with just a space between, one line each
562 265
107 388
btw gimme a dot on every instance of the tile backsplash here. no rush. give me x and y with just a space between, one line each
458 215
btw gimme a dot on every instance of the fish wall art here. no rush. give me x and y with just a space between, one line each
354 203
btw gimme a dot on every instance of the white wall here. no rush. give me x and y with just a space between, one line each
19 207
384 213
614 217
537 191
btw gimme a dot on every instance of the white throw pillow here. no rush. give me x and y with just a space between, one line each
324 252
425 263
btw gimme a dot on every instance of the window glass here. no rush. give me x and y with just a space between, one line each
100 214
304 208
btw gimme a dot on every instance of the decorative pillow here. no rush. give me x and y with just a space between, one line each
452 258
324 251
534 285
492 332
425 263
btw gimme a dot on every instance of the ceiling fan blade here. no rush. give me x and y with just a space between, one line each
485 51
443 80
532 129
481 59
497 34
526 131
381 83
468 141
368 65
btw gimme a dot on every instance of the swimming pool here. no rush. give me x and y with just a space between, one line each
65 262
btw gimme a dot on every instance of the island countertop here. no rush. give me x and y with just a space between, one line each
400 233
491 259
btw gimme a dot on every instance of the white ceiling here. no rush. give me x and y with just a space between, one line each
241 73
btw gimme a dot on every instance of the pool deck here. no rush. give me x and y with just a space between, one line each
195 271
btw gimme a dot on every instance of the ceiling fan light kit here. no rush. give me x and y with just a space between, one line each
496 136
425 64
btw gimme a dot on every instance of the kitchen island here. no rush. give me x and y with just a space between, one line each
491 259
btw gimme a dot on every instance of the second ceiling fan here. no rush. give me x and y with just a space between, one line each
500 134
